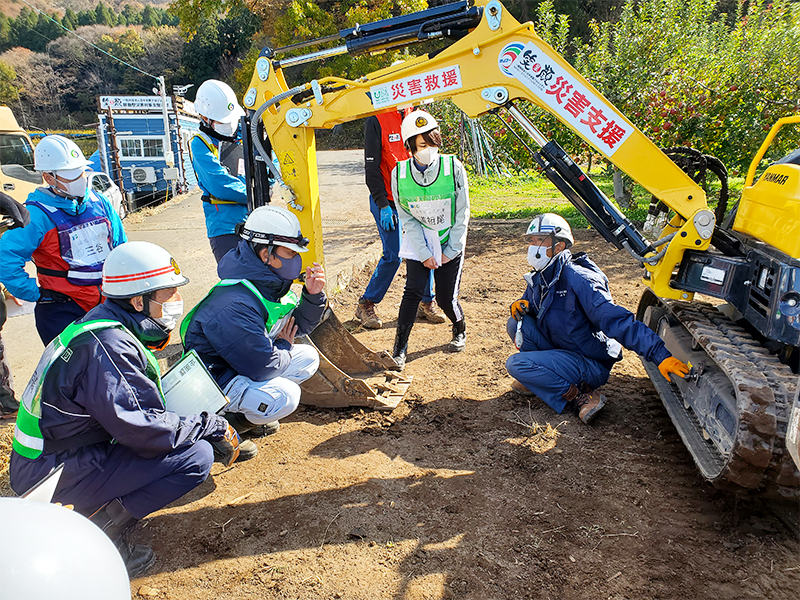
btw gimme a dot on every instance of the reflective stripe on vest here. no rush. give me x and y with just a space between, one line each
392 148
215 151
433 205
28 440
278 313
84 242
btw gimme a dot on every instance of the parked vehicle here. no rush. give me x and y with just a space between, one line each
102 184
17 177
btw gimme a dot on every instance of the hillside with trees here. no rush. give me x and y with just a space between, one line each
714 74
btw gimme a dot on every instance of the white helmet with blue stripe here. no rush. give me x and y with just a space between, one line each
551 224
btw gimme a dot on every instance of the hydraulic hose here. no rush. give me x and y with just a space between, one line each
257 140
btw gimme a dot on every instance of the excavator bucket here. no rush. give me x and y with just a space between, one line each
350 374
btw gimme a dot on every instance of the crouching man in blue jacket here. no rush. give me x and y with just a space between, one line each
244 329
568 330
95 404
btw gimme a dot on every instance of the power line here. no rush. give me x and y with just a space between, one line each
127 64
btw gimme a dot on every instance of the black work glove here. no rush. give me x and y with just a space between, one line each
14 210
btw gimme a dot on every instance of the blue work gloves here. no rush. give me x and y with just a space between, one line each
388 219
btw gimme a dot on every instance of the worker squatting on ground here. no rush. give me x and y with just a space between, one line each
383 147
244 329
568 330
72 230
224 193
95 404
433 204
12 216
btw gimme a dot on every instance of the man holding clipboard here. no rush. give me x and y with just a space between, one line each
95 403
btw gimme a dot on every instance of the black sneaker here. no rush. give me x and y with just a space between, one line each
247 450
138 558
264 430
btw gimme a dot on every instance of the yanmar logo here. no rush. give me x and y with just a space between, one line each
507 56
776 178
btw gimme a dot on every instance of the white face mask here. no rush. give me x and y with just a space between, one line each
73 189
537 257
170 313
226 129
426 156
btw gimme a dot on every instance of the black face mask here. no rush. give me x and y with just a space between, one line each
213 133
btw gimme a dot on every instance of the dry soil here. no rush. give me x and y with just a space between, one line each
464 492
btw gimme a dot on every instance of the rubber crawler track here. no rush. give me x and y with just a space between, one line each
765 389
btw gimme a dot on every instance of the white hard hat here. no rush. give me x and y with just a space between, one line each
57 153
551 224
274 226
216 100
49 551
136 268
417 122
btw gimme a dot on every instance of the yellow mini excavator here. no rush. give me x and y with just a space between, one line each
733 411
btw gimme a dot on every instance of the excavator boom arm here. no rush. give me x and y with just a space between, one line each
498 63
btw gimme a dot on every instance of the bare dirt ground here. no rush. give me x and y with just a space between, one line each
450 497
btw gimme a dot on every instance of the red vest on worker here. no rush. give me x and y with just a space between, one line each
392 148
76 272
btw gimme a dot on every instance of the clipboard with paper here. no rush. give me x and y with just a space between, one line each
189 388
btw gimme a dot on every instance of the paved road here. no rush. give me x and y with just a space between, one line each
350 240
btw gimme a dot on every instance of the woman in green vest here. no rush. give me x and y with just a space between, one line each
433 205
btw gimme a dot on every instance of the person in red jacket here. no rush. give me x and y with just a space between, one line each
383 148
71 231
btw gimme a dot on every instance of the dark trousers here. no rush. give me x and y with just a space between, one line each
52 317
8 404
448 281
222 244
548 371
390 260
143 485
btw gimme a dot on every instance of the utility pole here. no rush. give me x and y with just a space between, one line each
169 158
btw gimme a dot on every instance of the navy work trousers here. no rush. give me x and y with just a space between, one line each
53 317
222 244
547 371
143 485
390 260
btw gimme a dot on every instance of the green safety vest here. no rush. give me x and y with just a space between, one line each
215 152
433 205
28 440
278 313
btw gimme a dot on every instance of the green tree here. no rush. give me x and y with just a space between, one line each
5 31
202 52
104 16
70 20
149 17
687 74
87 17
8 90
132 16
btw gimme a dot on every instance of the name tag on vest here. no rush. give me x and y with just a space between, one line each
394 137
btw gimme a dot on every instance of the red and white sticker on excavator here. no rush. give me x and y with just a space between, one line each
427 84
567 98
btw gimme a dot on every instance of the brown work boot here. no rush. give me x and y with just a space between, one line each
427 312
516 386
367 315
587 405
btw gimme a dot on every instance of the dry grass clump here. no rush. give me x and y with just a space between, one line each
540 438
6 435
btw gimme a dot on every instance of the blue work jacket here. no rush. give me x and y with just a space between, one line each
228 329
217 182
574 309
